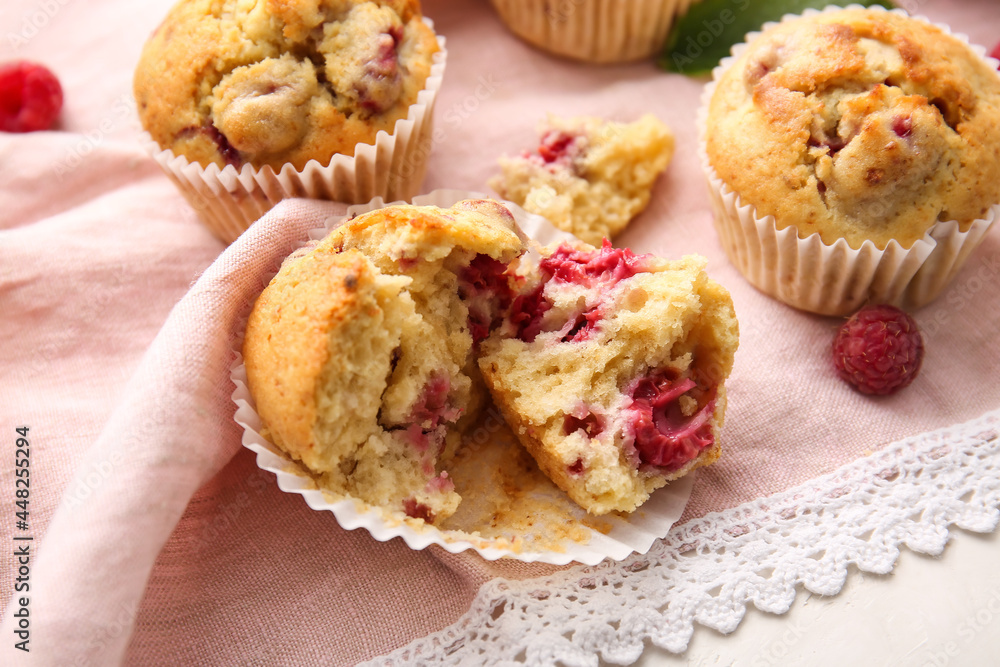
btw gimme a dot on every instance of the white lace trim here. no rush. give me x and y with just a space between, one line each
708 569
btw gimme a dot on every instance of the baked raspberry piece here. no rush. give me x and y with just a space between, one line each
568 270
557 146
664 436
30 97
485 287
610 368
879 350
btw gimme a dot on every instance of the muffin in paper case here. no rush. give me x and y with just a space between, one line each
594 31
510 509
228 200
832 277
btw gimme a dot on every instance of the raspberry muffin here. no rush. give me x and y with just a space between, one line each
588 177
360 354
274 88
863 131
593 31
610 368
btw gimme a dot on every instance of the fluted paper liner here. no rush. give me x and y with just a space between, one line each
620 535
833 279
596 31
228 200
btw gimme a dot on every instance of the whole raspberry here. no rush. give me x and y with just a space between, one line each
30 97
878 350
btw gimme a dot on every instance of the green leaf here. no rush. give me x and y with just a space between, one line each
703 36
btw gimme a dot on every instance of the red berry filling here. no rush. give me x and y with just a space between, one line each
583 326
664 436
527 313
226 149
602 268
30 97
430 411
440 484
555 146
382 69
879 350
418 510
606 267
833 144
484 286
902 126
576 470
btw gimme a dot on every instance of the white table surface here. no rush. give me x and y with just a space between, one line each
929 612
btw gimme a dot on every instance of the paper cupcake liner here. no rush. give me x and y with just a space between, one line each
833 279
228 200
617 536
596 31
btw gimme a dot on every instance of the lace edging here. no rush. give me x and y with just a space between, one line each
707 570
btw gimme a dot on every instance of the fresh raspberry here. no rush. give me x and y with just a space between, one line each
878 350
30 97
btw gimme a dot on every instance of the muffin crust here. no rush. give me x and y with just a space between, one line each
280 81
858 124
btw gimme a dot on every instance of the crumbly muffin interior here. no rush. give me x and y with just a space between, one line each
372 355
384 401
588 177
360 353
610 368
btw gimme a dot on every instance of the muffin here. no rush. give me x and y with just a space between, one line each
360 353
593 31
610 368
852 157
372 355
260 102
588 177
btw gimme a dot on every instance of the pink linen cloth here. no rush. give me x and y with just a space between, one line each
156 540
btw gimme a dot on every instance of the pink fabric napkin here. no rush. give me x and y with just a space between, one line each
156 540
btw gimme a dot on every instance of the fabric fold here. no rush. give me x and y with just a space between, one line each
171 433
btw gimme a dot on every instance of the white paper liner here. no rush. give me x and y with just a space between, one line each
634 533
228 200
833 279
596 31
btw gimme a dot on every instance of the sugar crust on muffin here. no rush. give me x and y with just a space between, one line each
858 124
589 177
280 82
